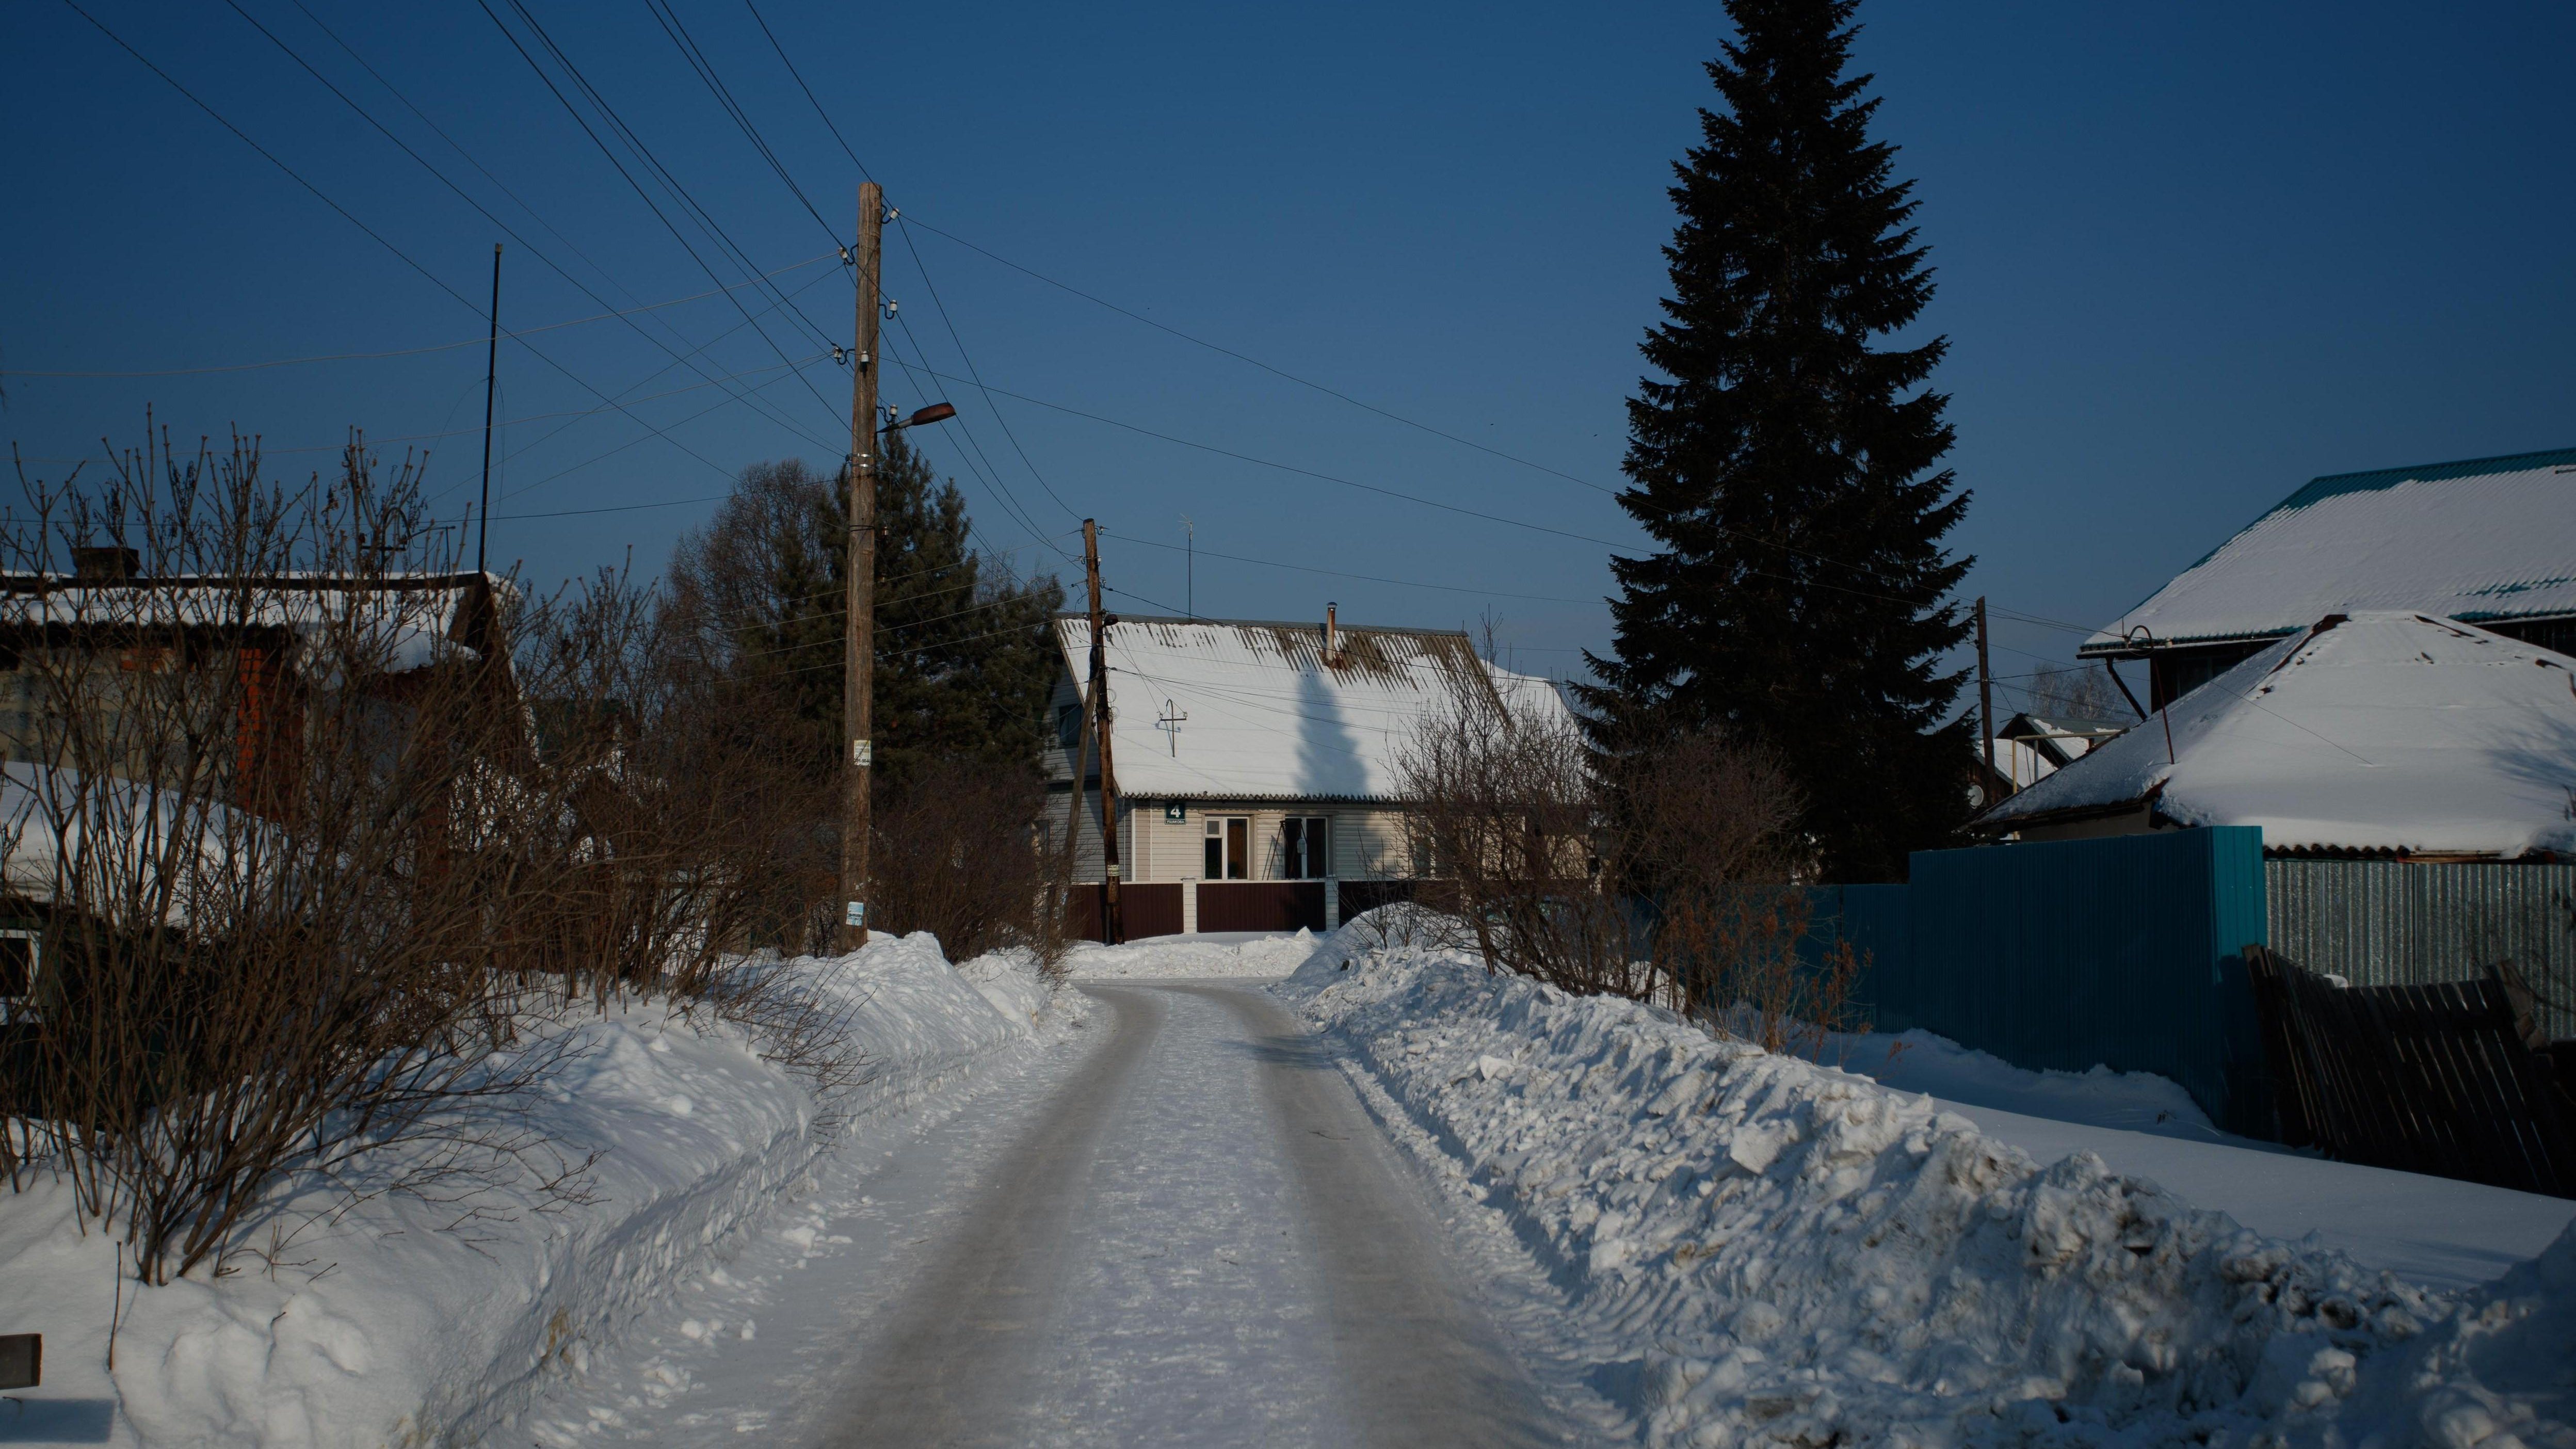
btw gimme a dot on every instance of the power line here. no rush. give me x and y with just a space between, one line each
407 351
298 177
669 19
1275 371
390 89
644 153
989 475
271 157
799 76
631 442
929 286
1292 468
971 370
1368 578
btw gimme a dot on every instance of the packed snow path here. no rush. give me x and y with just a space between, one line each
1204 1241
1184 1230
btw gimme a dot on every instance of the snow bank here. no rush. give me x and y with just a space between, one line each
1227 953
413 1322
1758 1248
1926 1063
2432 1231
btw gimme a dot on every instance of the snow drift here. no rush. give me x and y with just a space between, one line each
417 1322
1756 1248
1227 954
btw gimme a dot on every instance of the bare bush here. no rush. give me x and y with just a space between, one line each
266 812
953 855
1500 798
316 840
1667 870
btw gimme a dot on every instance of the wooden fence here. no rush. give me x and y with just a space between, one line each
2448 1079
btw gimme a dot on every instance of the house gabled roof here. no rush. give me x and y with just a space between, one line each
2387 732
415 616
2486 540
1267 716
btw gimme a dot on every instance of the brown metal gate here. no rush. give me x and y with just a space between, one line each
1261 905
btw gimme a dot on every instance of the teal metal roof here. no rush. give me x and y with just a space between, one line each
2335 483
2499 546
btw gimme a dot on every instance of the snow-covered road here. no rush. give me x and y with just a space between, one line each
1184 1230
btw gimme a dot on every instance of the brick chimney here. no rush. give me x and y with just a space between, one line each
1332 635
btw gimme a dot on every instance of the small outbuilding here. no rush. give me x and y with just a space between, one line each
2389 734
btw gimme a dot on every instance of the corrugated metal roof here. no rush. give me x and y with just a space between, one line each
2482 540
1267 716
2395 732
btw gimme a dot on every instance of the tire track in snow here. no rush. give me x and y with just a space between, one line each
966 1335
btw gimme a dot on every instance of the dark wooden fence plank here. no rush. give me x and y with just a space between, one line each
2437 1079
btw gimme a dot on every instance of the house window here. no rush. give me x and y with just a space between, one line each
1068 724
1305 851
1229 847
19 958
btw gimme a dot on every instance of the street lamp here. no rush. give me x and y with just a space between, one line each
938 412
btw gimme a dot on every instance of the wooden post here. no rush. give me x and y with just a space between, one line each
1985 687
1112 926
858 649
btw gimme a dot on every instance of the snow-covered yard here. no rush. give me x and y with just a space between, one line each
407 1321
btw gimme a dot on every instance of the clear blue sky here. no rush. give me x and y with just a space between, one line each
2188 257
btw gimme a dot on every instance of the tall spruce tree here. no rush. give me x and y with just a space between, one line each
1787 468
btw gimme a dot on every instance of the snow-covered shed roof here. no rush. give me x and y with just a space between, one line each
2385 732
2484 540
2018 766
414 618
1267 716
2059 738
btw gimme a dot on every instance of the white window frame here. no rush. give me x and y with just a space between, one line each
1217 831
1300 869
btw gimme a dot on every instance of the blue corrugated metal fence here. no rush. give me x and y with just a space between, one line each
2123 952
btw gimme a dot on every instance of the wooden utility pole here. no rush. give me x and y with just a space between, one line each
1112 927
1985 687
858 650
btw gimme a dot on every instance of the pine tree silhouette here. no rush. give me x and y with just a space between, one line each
1787 468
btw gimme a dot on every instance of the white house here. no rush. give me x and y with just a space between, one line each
1254 763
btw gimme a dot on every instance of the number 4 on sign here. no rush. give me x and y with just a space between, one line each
1170 724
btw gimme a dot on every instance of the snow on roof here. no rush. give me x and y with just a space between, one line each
2385 731
410 619
2484 540
1267 718
286 601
